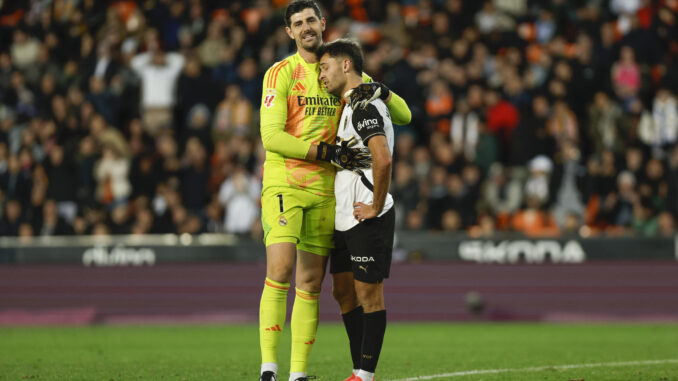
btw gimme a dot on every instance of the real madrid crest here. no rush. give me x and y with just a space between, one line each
283 221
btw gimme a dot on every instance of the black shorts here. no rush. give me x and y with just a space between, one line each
366 249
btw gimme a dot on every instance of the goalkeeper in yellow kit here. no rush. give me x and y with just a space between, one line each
299 120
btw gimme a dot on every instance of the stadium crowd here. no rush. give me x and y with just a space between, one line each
544 118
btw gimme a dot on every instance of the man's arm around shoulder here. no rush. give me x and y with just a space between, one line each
274 115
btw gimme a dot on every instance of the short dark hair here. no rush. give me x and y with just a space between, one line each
346 48
298 6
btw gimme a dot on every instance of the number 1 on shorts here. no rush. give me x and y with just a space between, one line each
281 203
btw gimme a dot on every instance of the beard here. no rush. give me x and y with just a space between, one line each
313 46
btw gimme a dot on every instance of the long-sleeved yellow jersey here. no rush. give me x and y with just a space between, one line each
297 111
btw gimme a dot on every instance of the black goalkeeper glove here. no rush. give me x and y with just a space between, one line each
365 93
344 155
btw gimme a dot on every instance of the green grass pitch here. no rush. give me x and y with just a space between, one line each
511 351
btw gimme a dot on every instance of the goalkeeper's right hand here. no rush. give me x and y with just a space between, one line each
344 156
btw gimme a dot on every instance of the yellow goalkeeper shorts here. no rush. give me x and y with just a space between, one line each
300 217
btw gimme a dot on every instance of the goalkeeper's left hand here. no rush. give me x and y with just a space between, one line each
365 93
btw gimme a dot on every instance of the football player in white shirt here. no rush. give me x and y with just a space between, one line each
365 218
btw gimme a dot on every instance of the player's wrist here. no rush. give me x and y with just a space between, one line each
385 92
325 152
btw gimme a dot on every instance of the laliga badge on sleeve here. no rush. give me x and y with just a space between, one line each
268 100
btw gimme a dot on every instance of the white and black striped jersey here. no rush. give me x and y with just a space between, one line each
349 186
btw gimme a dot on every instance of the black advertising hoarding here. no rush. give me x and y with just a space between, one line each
151 250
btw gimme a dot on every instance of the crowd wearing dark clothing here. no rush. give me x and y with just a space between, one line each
543 118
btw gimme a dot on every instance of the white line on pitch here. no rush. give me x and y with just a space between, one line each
540 369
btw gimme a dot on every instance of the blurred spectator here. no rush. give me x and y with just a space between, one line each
84 163
672 183
563 126
233 114
645 223
26 231
460 199
653 184
211 48
159 72
194 175
626 75
221 164
451 221
168 156
405 190
530 137
502 118
250 81
62 188
185 222
16 182
618 206
4 155
439 105
502 194
609 129
666 225
488 18
538 184
9 225
80 226
660 129
226 71
437 194
625 7
486 227
487 150
194 87
104 66
214 217
533 221
51 223
100 229
104 101
569 206
143 222
24 49
239 195
198 125
111 173
119 223
464 130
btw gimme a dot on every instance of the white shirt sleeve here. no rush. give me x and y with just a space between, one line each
175 61
140 62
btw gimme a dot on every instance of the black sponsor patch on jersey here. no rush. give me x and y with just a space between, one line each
368 122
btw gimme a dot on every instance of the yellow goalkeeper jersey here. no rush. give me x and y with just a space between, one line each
296 111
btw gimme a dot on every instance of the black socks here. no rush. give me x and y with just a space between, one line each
374 327
353 321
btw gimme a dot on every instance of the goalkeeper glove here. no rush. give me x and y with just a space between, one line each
365 93
344 155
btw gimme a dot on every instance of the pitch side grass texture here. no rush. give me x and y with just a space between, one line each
482 351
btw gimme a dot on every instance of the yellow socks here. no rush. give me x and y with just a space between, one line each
304 324
272 312
304 327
